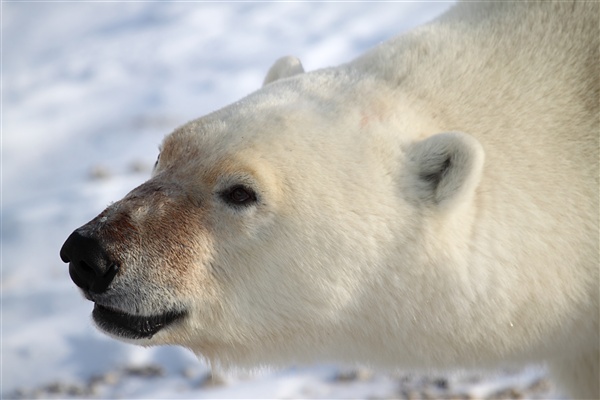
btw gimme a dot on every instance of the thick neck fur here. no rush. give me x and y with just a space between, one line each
509 220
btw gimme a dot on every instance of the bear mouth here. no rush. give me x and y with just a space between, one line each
131 326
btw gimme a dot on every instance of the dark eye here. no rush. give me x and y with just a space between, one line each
239 196
156 163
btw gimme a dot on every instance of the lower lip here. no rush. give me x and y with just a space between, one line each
132 326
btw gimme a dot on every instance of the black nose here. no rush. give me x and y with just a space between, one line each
89 266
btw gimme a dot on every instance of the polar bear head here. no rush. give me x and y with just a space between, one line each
296 223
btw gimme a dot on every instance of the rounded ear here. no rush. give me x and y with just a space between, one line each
283 68
445 169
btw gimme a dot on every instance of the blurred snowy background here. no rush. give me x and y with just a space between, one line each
88 91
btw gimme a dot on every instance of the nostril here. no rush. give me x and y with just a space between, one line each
101 283
86 269
80 277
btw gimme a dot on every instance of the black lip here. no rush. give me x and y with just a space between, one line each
132 326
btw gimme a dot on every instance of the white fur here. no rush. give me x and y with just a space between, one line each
433 203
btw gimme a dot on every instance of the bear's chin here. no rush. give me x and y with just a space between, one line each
129 326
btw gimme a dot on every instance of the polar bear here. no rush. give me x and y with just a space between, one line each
433 203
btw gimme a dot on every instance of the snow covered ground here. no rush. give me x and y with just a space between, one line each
88 91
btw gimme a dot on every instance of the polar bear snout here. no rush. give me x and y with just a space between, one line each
136 260
90 267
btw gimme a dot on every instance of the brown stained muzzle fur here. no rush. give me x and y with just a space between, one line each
152 237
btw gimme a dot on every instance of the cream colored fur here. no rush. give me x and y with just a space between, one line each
432 204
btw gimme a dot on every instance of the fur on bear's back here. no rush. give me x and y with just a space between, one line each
498 57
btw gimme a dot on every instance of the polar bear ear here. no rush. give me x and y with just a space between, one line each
283 68
445 168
